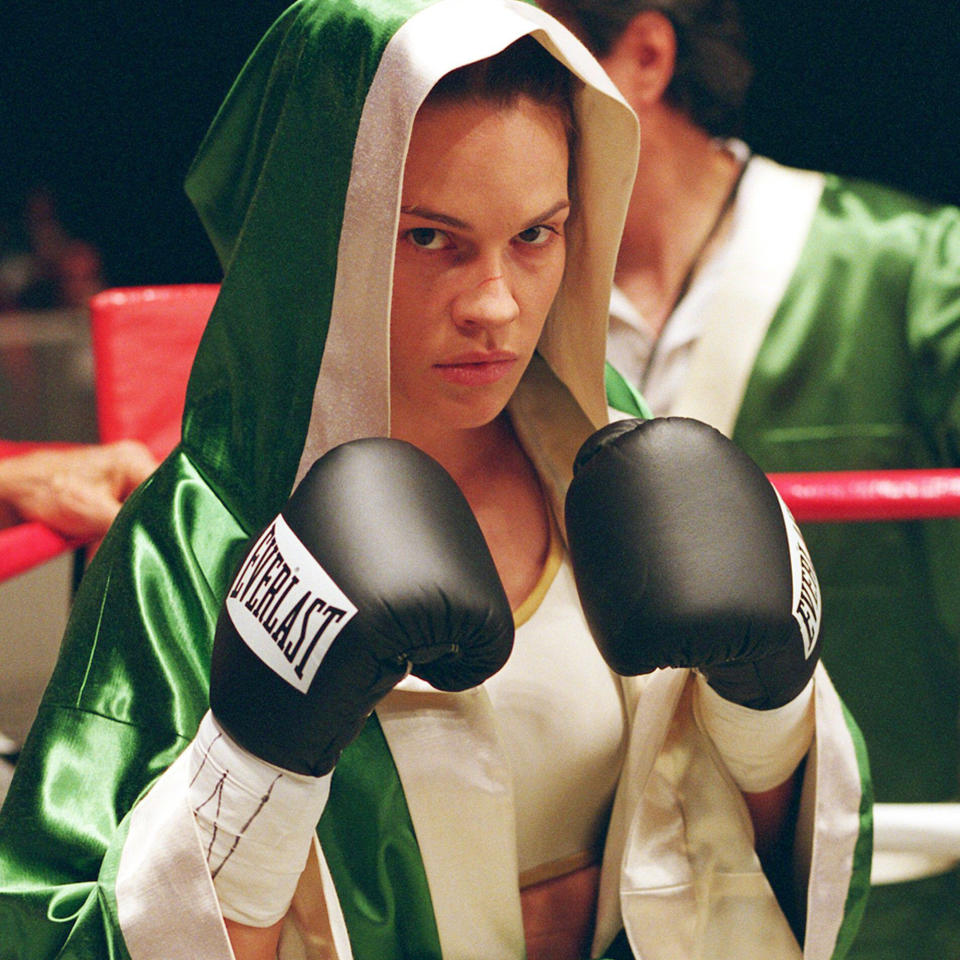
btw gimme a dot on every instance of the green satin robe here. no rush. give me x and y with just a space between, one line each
860 369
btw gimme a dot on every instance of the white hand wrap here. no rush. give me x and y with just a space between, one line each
256 824
761 748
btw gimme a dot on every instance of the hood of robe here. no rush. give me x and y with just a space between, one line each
298 185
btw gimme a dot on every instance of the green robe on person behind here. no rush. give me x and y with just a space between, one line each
860 369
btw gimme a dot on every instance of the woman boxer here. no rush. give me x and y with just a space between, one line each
417 207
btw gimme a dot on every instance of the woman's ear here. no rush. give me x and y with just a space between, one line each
642 59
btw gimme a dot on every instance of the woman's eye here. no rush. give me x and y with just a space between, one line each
536 236
427 238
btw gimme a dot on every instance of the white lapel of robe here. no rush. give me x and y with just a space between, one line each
770 226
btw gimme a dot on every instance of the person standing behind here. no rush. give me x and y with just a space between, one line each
815 319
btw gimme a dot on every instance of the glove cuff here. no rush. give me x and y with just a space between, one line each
761 748
256 823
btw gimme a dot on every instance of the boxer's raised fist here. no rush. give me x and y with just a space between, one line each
685 556
375 567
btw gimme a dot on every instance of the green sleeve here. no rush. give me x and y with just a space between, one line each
933 331
127 693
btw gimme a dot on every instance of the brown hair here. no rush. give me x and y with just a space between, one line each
713 68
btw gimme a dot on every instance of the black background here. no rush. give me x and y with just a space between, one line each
106 102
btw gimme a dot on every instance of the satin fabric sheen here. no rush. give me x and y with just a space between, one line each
136 705
123 694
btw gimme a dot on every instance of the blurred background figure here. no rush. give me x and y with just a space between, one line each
42 266
816 320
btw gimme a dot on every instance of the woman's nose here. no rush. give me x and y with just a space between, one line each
486 301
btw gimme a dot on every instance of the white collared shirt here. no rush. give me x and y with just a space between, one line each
658 366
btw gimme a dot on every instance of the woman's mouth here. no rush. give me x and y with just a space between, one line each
476 369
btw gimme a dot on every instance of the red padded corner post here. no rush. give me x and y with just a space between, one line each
144 340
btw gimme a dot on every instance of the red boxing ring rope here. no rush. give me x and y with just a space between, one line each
846 496
27 545
866 495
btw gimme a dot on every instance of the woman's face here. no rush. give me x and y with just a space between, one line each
480 254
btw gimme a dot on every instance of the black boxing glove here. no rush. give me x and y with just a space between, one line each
375 567
685 556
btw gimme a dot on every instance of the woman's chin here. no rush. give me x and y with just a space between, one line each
470 410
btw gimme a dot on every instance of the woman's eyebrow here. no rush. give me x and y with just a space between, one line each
551 212
426 213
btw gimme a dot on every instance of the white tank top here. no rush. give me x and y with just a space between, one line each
561 717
